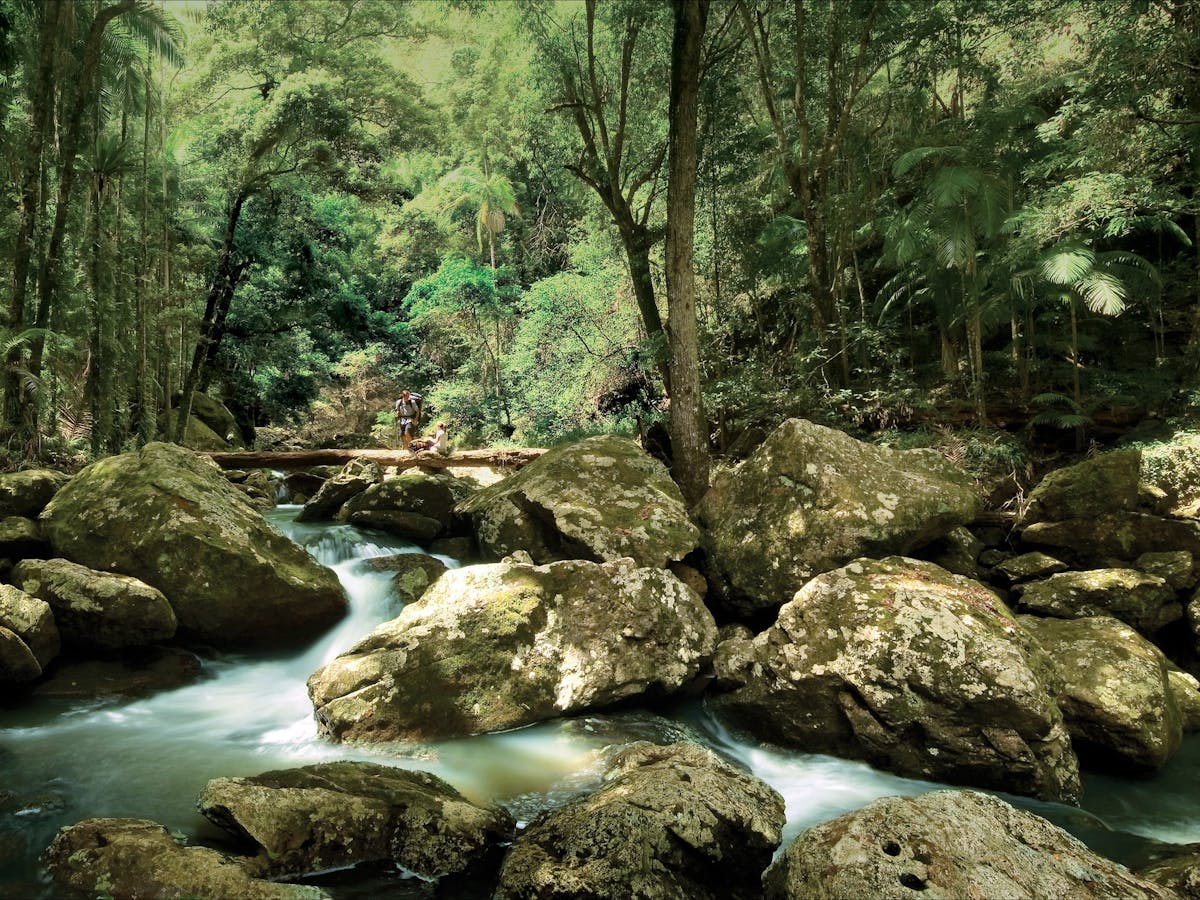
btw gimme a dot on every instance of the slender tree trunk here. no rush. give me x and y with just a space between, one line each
688 426
144 419
31 202
48 286
220 281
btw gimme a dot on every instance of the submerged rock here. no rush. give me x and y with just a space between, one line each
913 669
32 621
1144 601
133 673
812 498
170 519
338 814
947 844
97 609
672 822
354 478
1116 695
26 493
601 499
131 859
413 573
497 646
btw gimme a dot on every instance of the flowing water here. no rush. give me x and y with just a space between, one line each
65 760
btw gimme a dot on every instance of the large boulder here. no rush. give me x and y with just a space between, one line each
196 435
97 609
1027 567
32 621
1106 483
354 478
136 672
168 518
338 814
913 669
1116 694
26 493
947 844
1144 601
812 498
497 646
1185 688
133 859
600 499
1096 540
672 822
217 417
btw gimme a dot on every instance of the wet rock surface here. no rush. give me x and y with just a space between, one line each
337 814
412 573
911 668
354 478
947 844
671 821
497 646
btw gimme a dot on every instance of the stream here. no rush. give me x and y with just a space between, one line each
66 760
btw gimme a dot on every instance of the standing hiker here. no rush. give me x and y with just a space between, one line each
408 415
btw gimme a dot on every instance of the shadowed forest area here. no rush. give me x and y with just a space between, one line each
970 225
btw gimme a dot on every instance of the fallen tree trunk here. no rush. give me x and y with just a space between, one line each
401 459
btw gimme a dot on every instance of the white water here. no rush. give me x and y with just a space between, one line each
67 760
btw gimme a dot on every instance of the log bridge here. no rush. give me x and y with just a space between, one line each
400 459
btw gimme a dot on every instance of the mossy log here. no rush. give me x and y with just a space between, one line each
400 459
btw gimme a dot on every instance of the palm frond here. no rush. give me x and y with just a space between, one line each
1103 293
1066 264
914 158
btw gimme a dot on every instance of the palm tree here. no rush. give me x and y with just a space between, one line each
490 193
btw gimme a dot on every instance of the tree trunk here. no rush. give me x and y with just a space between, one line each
217 287
48 285
31 200
688 426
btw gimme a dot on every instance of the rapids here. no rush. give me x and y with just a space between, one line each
63 761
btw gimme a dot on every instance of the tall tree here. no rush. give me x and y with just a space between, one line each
689 427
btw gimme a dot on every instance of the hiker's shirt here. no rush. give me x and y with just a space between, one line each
407 410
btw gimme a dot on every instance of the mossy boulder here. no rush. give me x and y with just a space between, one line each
811 499
168 518
97 609
911 668
412 573
32 621
1185 688
18 665
26 493
672 822
415 504
1094 541
330 815
354 478
1144 601
600 499
1105 483
1116 695
498 646
947 844
217 417
134 858
196 436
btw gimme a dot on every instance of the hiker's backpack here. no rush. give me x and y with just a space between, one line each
415 398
